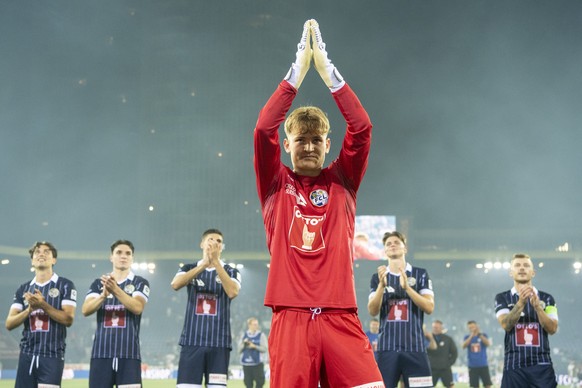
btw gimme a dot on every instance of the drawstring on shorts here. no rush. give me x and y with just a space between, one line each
32 364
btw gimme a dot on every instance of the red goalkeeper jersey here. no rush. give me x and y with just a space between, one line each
314 271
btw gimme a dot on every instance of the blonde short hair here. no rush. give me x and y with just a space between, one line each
521 256
307 119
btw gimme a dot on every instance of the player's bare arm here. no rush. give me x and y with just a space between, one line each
92 304
432 345
135 304
508 321
184 278
64 316
230 286
486 341
468 340
425 302
375 301
16 317
549 324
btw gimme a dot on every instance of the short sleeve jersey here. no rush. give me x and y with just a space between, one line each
207 320
309 221
43 336
527 344
117 333
400 318
476 352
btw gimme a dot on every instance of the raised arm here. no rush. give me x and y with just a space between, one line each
547 315
326 69
266 135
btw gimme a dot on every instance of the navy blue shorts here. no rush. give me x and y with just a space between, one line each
414 368
537 376
445 375
479 373
197 362
111 372
34 370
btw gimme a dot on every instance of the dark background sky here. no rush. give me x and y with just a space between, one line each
109 107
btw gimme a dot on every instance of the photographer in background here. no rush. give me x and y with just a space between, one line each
253 347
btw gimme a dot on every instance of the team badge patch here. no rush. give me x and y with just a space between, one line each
319 197
411 282
54 292
130 288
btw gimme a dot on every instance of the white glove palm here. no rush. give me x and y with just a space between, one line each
323 65
303 57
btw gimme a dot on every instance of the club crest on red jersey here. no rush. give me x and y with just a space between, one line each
319 197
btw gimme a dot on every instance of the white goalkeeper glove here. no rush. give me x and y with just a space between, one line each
302 58
327 70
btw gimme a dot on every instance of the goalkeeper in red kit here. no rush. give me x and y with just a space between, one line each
309 211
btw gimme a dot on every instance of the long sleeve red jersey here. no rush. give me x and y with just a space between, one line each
309 221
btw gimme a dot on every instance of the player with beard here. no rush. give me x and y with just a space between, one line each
528 317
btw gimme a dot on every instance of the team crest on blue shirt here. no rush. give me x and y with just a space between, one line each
319 197
130 288
218 279
411 282
54 292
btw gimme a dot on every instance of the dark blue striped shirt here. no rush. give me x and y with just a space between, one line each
43 336
527 343
207 321
400 319
117 333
